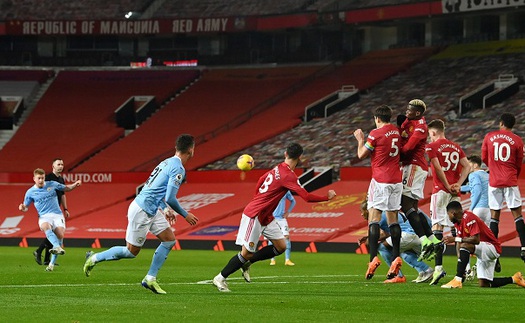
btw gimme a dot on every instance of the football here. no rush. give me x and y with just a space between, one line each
245 162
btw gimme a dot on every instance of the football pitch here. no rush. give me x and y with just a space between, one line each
322 287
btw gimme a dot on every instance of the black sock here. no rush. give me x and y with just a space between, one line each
498 282
439 252
520 227
233 265
373 238
42 246
415 222
494 227
265 253
395 234
464 257
424 224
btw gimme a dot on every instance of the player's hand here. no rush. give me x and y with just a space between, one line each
359 135
66 213
362 240
331 194
454 188
22 207
77 183
170 216
448 239
191 219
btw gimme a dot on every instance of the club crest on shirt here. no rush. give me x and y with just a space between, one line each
49 189
252 244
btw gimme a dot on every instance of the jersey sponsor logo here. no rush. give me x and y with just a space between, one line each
215 230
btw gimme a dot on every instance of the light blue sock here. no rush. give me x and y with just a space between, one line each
288 248
53 259
113 253
52 237
160 256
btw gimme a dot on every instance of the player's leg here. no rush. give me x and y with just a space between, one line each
413 184
162 230
273 233
496 199
47 254
395 235
513 198
286 232
272 260
247 237
46 226
138 226
465 250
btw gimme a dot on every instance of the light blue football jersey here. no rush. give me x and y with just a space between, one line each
280 209
45 198
169 172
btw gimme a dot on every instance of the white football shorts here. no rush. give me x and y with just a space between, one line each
438 208
409 242
414 178
384 196
139 223
250 230
497 196
55 220
487 256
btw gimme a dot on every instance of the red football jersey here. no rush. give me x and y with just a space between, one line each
414 134
448 154
502 152
472 225
384 143
271 188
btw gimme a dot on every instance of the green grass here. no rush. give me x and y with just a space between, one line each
322 287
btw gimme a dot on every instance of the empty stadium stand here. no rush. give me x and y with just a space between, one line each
75 118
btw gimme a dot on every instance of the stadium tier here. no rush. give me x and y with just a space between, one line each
76 115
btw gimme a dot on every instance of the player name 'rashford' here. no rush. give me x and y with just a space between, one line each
502 136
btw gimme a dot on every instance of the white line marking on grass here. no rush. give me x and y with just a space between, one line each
236 280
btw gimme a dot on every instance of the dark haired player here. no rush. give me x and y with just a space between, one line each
257 218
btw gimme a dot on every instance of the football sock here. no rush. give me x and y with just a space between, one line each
265 253
520 228
160 256
373 237
233 265
494 227
439 251
52 237
288 248
395 233
113 253
42 246
498 282
415 221
464 256
424 224
53 259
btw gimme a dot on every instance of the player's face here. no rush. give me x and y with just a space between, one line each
58 166
454 217
39 180
412 113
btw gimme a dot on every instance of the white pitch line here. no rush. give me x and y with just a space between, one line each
202 282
